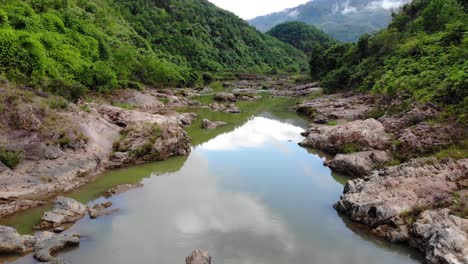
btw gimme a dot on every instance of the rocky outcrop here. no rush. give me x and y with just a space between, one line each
362 134
11 207
150 142
225 97
27 118
11 242
393 123
228 108
358 164
65 211
48 243
198 257
211 125
390 192
339 106
443 236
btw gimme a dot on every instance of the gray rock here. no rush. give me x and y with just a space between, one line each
3 167
225 97
48 243
198 257
12 242
211 125
358 164
232 109
27 118
444 237
389 192
368 134
65 211
12 207
99 210
53 153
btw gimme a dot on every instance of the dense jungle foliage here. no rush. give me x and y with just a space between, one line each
422 55
70 46
300 35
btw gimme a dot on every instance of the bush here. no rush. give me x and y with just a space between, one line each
11 158
58 103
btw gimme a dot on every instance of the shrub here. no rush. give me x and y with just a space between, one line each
11 158
58 103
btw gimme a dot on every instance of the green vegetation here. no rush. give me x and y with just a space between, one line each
300 35
459 151
124 105
69 47
332 123
422 56
10 158
350 148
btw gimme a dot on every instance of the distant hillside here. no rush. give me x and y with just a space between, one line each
422 56
300 35
344 20
104 44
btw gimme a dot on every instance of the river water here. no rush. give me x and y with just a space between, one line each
250 195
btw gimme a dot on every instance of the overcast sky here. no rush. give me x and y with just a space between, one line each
248 9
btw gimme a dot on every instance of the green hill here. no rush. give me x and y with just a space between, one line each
72 45
300 35
422 56
344 20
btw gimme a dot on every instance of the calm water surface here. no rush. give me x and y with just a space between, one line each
248 196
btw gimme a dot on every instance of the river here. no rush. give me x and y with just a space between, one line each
247 194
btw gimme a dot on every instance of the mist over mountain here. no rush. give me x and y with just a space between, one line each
344 20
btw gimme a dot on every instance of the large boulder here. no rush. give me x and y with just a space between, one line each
412 117
390 192
48 243
27 118
225 97
363 134
198 257
211 125
358 164
65 211
442 236
150 142
11 242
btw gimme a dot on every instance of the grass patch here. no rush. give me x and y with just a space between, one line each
393 162
459 151
11 158
216 86
124 105
376 113
163 100
332 123
58 103
350 148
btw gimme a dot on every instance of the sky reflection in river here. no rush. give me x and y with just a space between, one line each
250 196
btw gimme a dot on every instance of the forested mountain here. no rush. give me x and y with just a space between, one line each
104 44
344 20
300 35
421 56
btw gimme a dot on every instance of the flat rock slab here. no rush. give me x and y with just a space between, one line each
48 243
211 125
65 210
11 242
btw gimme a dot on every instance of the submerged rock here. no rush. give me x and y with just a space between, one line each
99 210
12 242
358 164
48 243
225 97
211 125
364 134
122 188
198 257
65 211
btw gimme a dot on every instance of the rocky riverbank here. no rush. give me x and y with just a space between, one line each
408 189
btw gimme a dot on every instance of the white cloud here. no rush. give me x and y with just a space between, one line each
388 4
248 9
254 134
